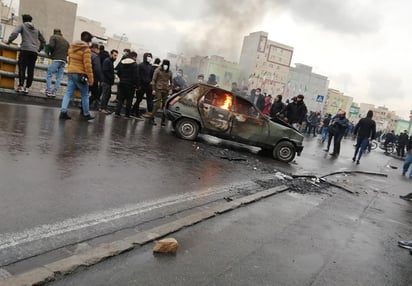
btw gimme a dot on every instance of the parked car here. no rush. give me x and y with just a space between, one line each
218 112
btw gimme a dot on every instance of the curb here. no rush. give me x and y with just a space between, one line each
53 271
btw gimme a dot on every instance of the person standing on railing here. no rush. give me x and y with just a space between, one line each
32 42
58 47
80 75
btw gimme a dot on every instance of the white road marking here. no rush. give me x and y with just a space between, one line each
9 240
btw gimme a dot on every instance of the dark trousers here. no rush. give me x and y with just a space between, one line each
361 145
125 93
94 93
336 143
401 150
106 94
145 89
27 61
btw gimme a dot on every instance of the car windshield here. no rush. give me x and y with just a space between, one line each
219 98
244 107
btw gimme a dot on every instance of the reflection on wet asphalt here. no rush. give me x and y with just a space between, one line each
52 170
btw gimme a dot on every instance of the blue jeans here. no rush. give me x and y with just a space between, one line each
324 133
361 145
73 84
407 163
56 67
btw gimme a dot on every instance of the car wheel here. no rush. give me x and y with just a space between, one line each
284 151
187 129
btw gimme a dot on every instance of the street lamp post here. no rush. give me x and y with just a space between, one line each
410 122
121 38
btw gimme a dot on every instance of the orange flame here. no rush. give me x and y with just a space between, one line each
228 102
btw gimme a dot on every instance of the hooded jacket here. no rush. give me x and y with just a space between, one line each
145 70
31 39
127 71
296 112
59 47
80 60
366 127
162 79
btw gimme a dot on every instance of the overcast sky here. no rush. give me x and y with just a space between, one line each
363 46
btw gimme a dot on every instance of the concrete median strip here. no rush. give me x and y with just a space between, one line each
54 270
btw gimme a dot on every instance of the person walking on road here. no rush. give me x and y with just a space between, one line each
95 92
296 112
108 80
337 130
408 159
58 48
402 142
32 42
325 126
145 70
80 75
128 73
365 130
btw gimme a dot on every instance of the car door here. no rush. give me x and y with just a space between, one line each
248 124
215 110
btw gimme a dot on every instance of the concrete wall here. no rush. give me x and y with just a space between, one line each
302 80
50 14
265 63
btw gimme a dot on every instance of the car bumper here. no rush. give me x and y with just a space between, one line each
172 115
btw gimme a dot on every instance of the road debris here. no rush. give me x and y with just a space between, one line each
317 180
166 245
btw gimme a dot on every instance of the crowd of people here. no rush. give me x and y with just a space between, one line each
91 70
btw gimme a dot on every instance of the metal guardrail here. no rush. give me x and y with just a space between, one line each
14 62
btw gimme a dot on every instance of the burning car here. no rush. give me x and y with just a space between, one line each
218 112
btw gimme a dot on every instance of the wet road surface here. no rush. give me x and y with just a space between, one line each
56 175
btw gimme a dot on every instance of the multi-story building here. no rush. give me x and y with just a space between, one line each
264 63
336 100
7 21
364 108
313 86
51 14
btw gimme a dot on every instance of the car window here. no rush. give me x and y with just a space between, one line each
190 98
219 98
244 107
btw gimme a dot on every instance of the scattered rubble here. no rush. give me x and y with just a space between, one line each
166 245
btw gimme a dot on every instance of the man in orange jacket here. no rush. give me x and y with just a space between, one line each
80 75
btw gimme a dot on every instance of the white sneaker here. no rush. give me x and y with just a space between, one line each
26 90
19 89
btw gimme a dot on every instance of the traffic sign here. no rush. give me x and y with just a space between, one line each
320 98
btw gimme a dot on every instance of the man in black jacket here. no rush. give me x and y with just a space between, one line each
402 142
145 71
277 107
296 112
108 80
258 99
365 130
127 72
97 75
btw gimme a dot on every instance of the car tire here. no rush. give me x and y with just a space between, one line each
187 128
284 151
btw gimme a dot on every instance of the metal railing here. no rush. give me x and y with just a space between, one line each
13 61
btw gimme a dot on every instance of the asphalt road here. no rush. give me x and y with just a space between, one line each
63 179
